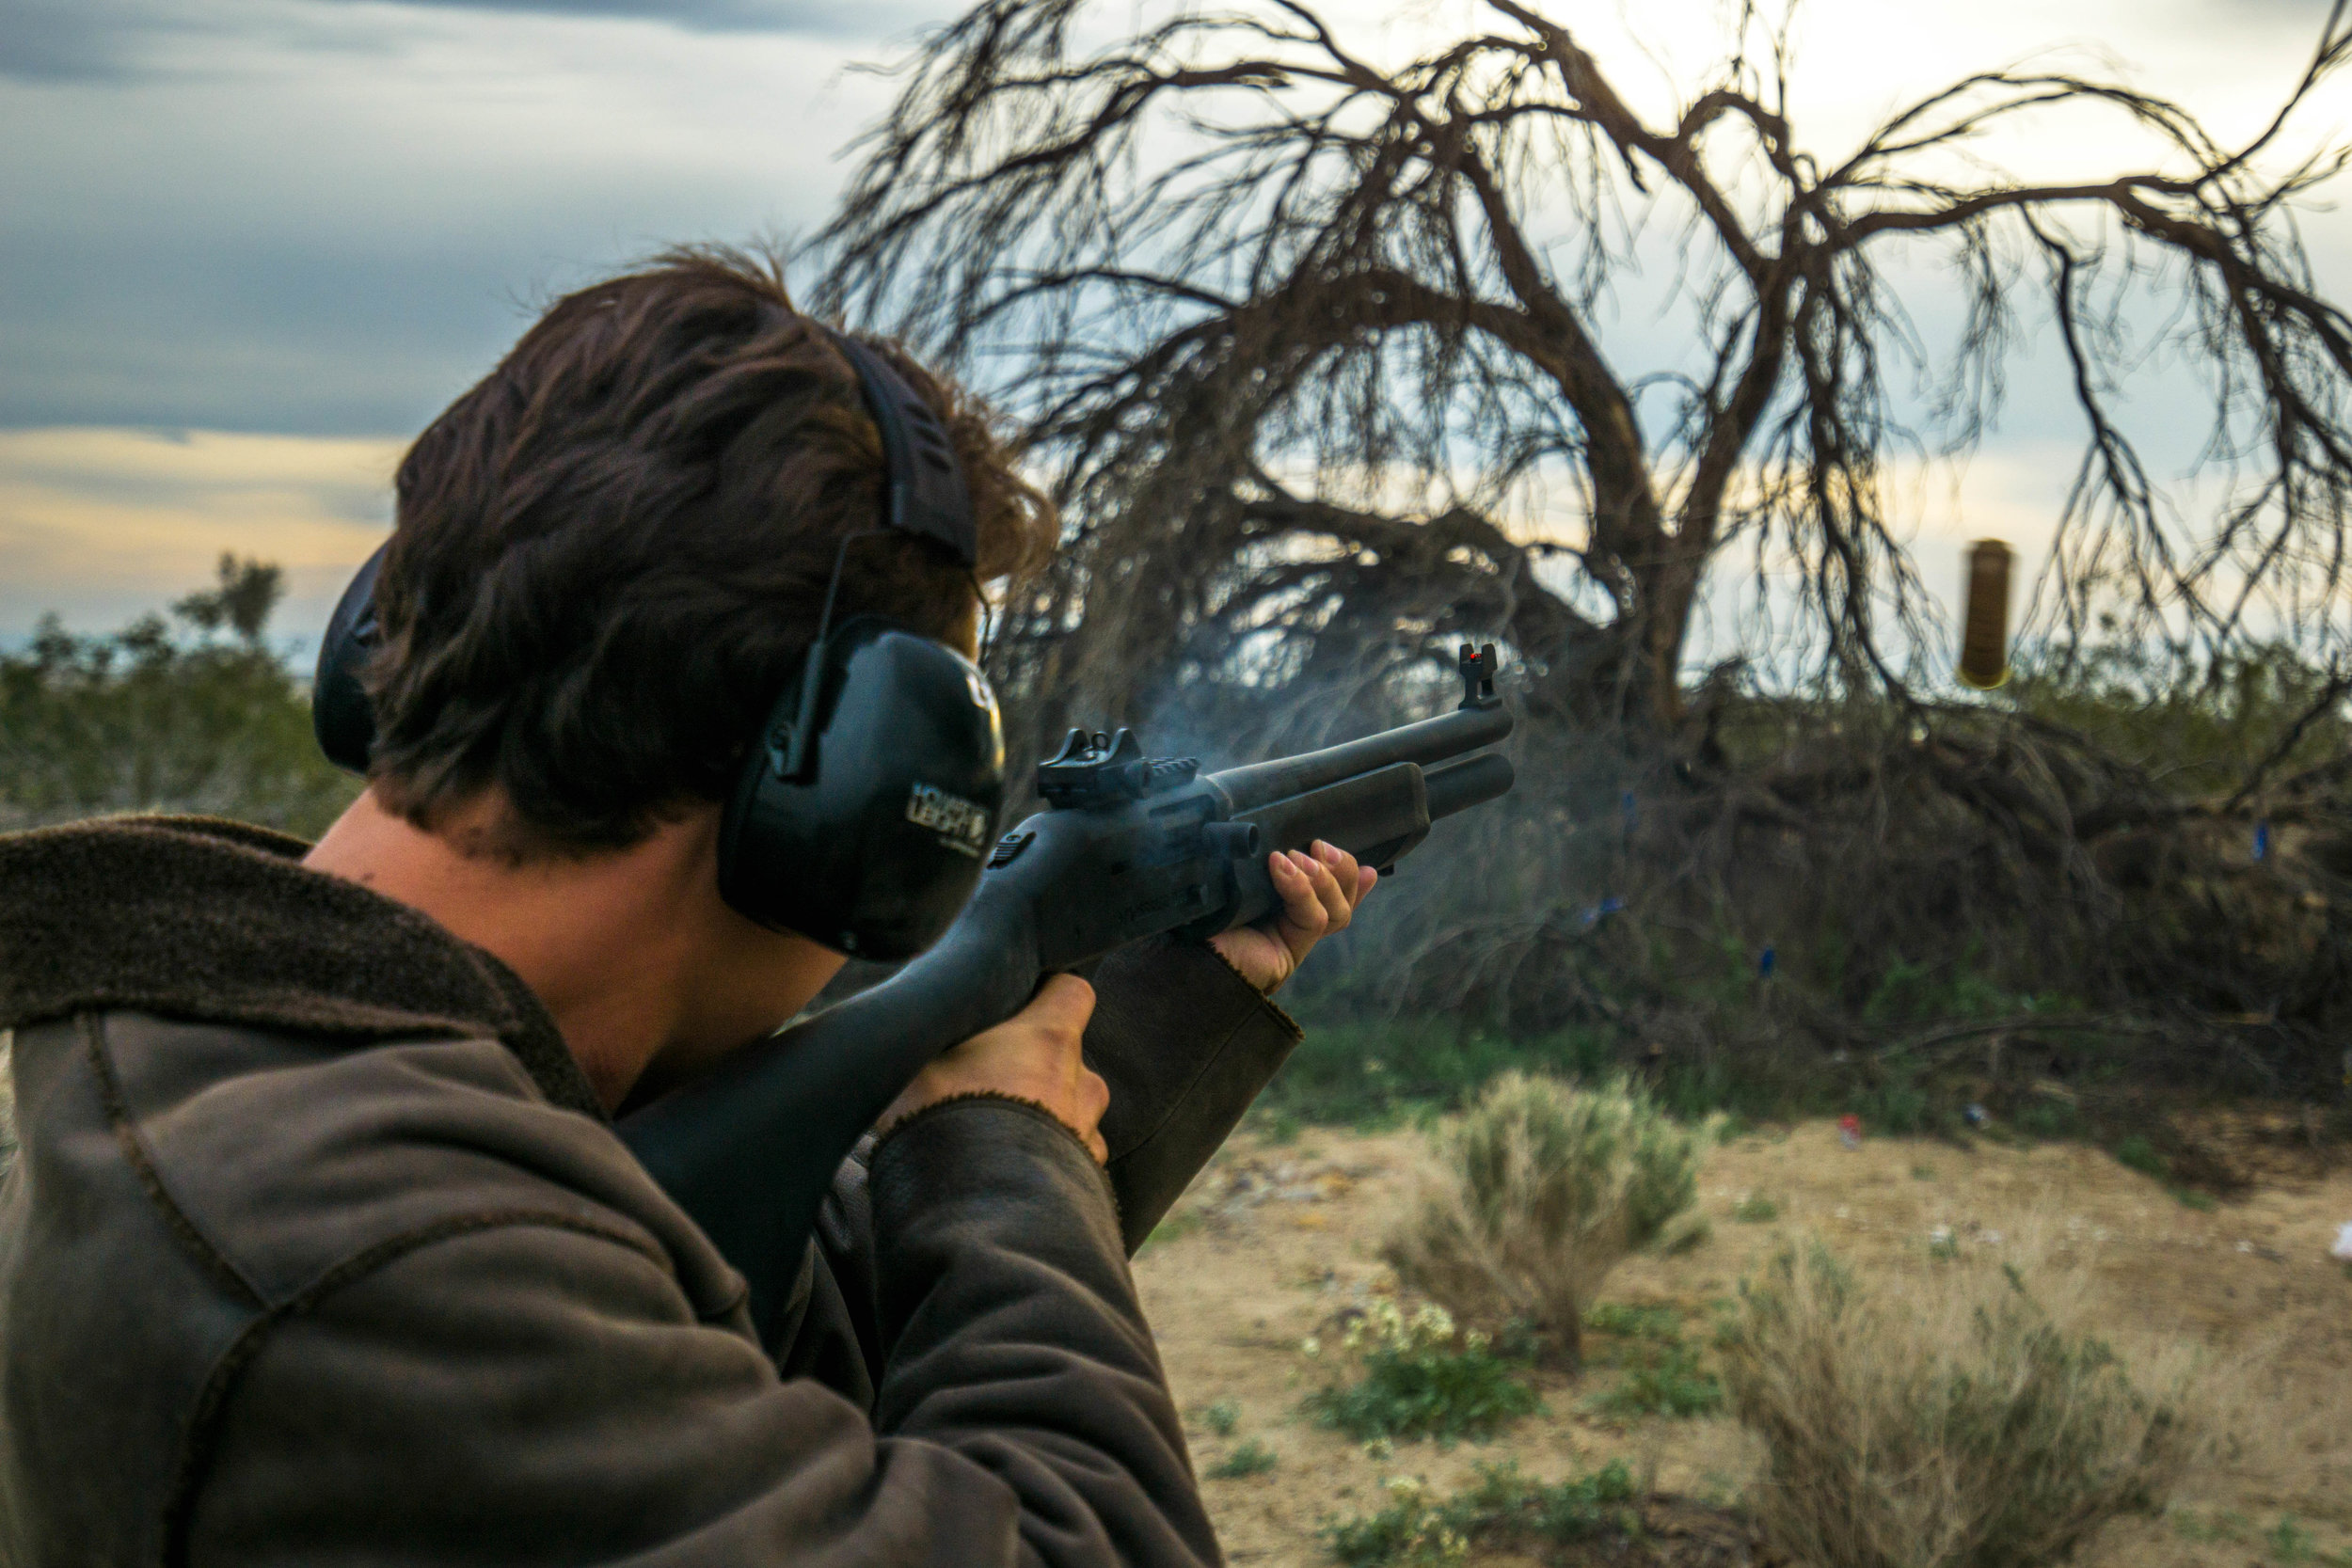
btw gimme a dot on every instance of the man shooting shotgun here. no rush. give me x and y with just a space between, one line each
323 1243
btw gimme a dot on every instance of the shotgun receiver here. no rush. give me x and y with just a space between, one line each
1128 847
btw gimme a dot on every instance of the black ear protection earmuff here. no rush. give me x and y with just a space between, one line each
866 804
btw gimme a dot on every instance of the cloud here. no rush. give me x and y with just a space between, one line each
81 41
45 44
826 17
316 221
334 235
101 526
117 41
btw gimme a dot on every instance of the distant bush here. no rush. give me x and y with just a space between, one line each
1947 1417
1536 1193
1418 1376
1502 1509
203 720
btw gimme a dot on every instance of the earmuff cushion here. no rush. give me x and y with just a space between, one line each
339 715
875 847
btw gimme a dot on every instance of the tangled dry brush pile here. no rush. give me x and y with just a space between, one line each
2131 883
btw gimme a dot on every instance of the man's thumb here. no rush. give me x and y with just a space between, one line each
1064 1001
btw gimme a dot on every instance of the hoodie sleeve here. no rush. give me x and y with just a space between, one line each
526 1391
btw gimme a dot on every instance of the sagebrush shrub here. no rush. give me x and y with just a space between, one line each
1536 1193
1947 1418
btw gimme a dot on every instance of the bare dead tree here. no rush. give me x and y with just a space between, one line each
1320 396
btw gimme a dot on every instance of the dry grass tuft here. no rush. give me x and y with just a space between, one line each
1959 1415
1536 1193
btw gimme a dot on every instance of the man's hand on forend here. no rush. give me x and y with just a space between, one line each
1032 1055
1320 891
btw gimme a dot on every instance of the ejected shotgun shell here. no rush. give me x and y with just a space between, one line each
1984 641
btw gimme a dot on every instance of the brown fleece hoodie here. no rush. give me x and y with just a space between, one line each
318 1249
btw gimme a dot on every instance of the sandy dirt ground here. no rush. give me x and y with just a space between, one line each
1277 1242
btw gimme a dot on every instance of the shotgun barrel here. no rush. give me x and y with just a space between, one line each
1431 741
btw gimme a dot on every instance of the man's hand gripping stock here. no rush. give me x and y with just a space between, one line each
1034 1056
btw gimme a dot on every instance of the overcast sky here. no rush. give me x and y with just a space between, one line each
249 247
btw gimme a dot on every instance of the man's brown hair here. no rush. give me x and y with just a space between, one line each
611 553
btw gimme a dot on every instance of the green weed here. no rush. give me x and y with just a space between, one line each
1909 992
1252 1458
2288 1542
1497 1509
1691 1091
1276 1125
1418 1378
2225 1525
1897 1108
1755 1208
1502 1509
1662 1376
1663 1380
1686 1235
2049 1119
1625 1321
1221 1418
1172 1228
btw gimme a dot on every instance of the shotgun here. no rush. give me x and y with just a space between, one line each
1128 847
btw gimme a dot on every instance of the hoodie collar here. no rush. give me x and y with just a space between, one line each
199 918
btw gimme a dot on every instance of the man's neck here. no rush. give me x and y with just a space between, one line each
631 951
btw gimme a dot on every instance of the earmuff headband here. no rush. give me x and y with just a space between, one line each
927 497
